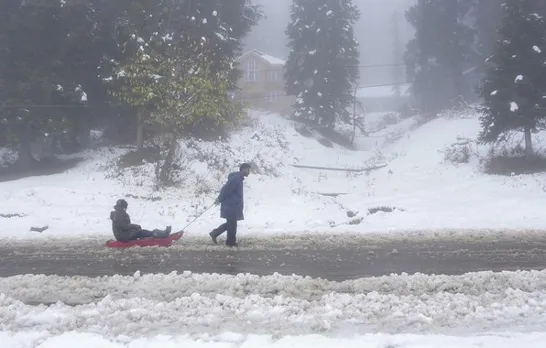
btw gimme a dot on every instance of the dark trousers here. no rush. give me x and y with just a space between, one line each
231 228
145 234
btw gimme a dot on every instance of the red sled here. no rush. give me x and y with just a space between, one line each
146 242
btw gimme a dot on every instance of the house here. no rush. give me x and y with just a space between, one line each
262 83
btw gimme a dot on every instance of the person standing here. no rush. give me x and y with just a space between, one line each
231 205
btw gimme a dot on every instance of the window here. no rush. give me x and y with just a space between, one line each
273 75
273 96
251 75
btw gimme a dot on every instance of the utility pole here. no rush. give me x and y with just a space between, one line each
396 78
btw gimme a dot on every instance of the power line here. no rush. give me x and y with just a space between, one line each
346 66
95 106
291 96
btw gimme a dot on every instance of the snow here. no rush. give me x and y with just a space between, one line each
432 194
7 157
268 58
90 340
273 60
514 106
154 304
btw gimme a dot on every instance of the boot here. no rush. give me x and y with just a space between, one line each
162 234
213 236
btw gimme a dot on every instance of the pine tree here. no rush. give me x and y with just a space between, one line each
227 24
515 85
322 67
34 78
440 52
487 16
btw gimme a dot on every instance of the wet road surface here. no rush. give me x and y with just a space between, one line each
333 263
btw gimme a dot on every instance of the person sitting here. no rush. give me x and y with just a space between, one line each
125 231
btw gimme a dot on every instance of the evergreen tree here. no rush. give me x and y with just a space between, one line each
322 67
487 16
515 86
228 23
440 52
34 77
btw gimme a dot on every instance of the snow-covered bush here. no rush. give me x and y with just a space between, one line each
389 119
460 152
7 157
204 165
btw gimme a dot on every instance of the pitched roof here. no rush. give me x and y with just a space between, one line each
268 58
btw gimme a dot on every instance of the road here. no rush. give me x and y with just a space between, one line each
325 261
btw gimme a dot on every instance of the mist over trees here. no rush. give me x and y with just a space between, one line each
130 66
139 70
440 52
322 68
495 47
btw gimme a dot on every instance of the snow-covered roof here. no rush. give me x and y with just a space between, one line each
381 91
268 58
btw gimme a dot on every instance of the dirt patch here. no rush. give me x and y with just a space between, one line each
151 199
376 210
304 132
506 165
41 168
336 137
11 216
138 158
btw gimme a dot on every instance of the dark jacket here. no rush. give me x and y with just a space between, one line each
122 227
231 198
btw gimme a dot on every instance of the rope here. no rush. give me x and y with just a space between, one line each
199 216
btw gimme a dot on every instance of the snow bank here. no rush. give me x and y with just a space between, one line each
421 186
197 303
228 340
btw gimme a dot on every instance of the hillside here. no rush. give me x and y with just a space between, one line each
428 192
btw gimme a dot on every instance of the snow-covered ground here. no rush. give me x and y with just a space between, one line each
428 192
474 310
230 340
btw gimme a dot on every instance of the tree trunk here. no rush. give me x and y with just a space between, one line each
354 116
167 164
140 131
25 161
458 83
528 143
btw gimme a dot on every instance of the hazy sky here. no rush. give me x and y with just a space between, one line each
374 31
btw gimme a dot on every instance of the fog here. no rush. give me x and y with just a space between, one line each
375 32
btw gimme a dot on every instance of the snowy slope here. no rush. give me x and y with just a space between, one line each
430 193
